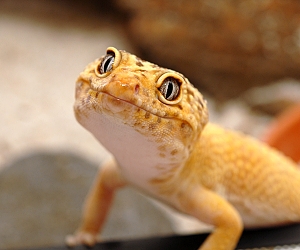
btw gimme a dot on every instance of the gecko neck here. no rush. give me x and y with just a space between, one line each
138 156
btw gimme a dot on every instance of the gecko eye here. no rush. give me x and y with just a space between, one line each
106 64
170 88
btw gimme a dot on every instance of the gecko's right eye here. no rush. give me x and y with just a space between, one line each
107 64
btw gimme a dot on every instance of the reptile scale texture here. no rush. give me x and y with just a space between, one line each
155 124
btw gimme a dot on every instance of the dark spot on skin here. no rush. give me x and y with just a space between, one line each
147 115
137 77
201 104
174 152
154 102
152 126
137 124
97 94
162 155
158 120
141 71
179 106
139 63
182 125
176 114
88 98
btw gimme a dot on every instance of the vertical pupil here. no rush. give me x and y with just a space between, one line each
169 89
108 63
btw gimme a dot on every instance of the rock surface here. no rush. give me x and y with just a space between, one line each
41 198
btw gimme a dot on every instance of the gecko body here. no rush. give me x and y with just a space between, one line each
155 124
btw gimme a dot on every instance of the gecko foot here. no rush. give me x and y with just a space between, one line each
81 238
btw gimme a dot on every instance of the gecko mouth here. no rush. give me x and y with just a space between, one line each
134 103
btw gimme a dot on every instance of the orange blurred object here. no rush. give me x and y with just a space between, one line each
284 133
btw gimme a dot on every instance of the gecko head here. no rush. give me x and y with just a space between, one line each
159 103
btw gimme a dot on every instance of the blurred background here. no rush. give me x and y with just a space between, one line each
242 55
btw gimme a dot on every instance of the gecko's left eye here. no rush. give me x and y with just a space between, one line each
170 88
106 64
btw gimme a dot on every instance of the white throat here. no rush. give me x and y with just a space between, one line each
138 155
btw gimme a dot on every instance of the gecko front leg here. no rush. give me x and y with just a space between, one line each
97 205
212 209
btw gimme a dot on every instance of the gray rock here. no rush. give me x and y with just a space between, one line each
41 196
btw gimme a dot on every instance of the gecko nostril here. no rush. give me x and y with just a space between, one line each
137 89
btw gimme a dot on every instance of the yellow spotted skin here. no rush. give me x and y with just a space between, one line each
155 124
